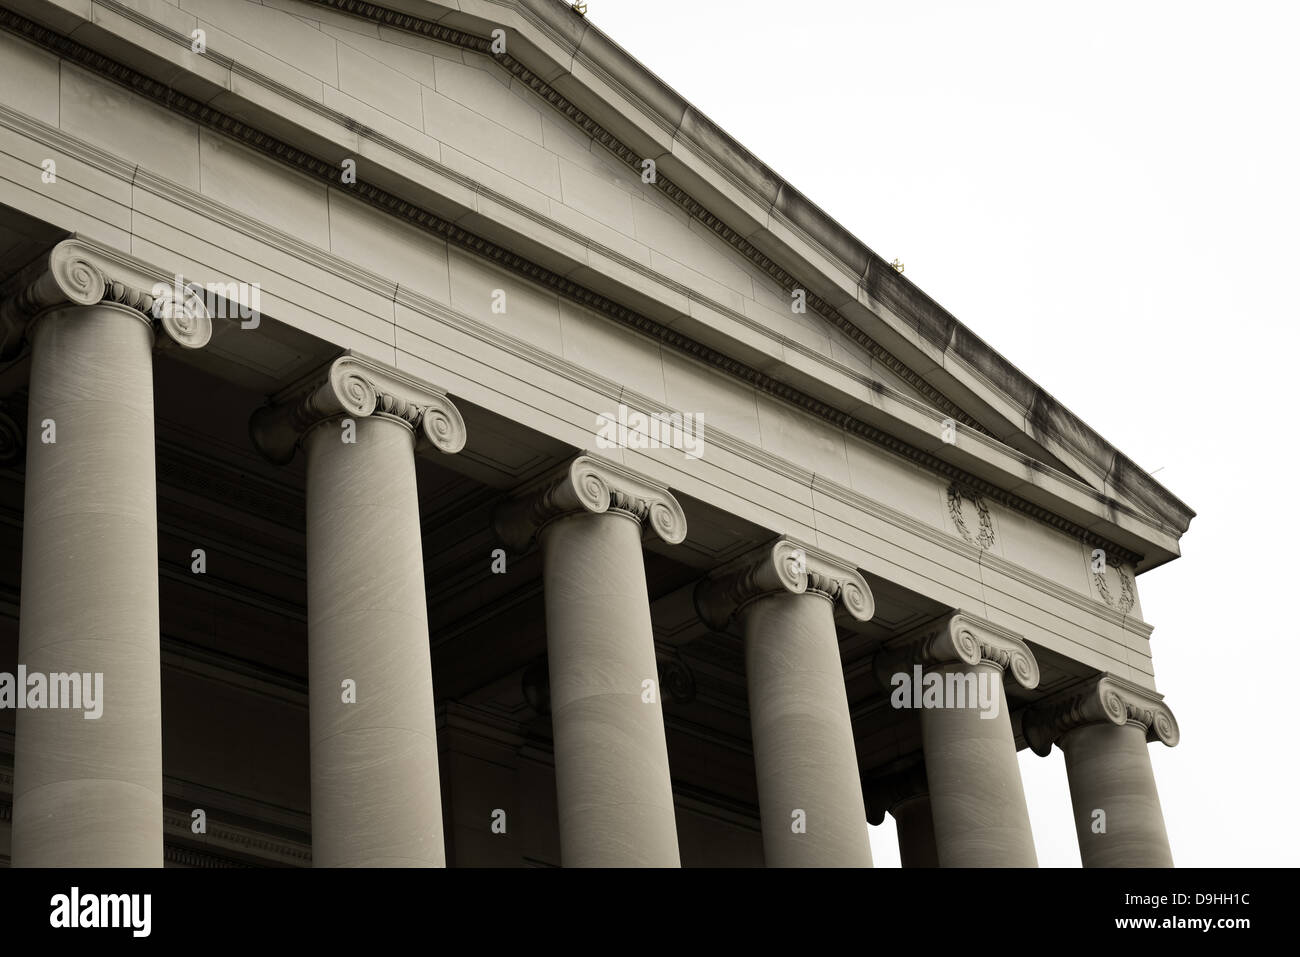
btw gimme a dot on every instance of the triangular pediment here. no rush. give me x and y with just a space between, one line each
564 159
569 136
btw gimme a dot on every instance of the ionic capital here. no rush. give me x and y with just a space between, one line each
963 638
353 385
785 565
79 272
588 484
1101 699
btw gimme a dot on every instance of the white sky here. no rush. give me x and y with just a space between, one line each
1107 194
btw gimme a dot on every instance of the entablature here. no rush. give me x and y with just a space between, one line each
232 97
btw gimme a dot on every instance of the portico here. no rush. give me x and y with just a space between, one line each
373 580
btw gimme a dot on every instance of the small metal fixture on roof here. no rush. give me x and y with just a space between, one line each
580 8
897 264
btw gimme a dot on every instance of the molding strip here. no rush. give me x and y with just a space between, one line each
459 38
430 222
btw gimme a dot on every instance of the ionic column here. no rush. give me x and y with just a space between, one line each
88 790
375 795
1103 727
977 801
611 756
905 794
784 598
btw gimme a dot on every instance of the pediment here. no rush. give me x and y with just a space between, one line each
535 156
573 136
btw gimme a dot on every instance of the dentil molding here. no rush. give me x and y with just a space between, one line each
784 565
354 385
322 170
587 484
1099 700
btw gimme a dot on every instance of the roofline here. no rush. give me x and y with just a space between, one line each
876 298
1036 411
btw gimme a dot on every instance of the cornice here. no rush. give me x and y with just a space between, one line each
1100 699
587 484
1043 416
273 501
178 855
354 385
961 638
207 472
428 221
229 838
83 273
782 566
433 30
1035 412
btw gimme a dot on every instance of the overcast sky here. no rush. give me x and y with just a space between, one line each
1107 194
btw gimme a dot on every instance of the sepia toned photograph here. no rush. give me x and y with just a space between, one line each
530 434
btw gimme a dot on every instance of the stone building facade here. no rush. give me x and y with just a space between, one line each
427 439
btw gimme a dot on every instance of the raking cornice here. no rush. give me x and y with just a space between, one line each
1045 420
429 221
629 157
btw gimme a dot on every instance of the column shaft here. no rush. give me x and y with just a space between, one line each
976 797
915 826
375 796
1109 768
89 792
804 753
611 754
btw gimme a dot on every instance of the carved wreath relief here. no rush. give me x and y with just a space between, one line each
1114 585
958 496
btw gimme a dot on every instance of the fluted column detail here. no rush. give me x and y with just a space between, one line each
88 790
977 800
375 793
611 755
784 597
1103 726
